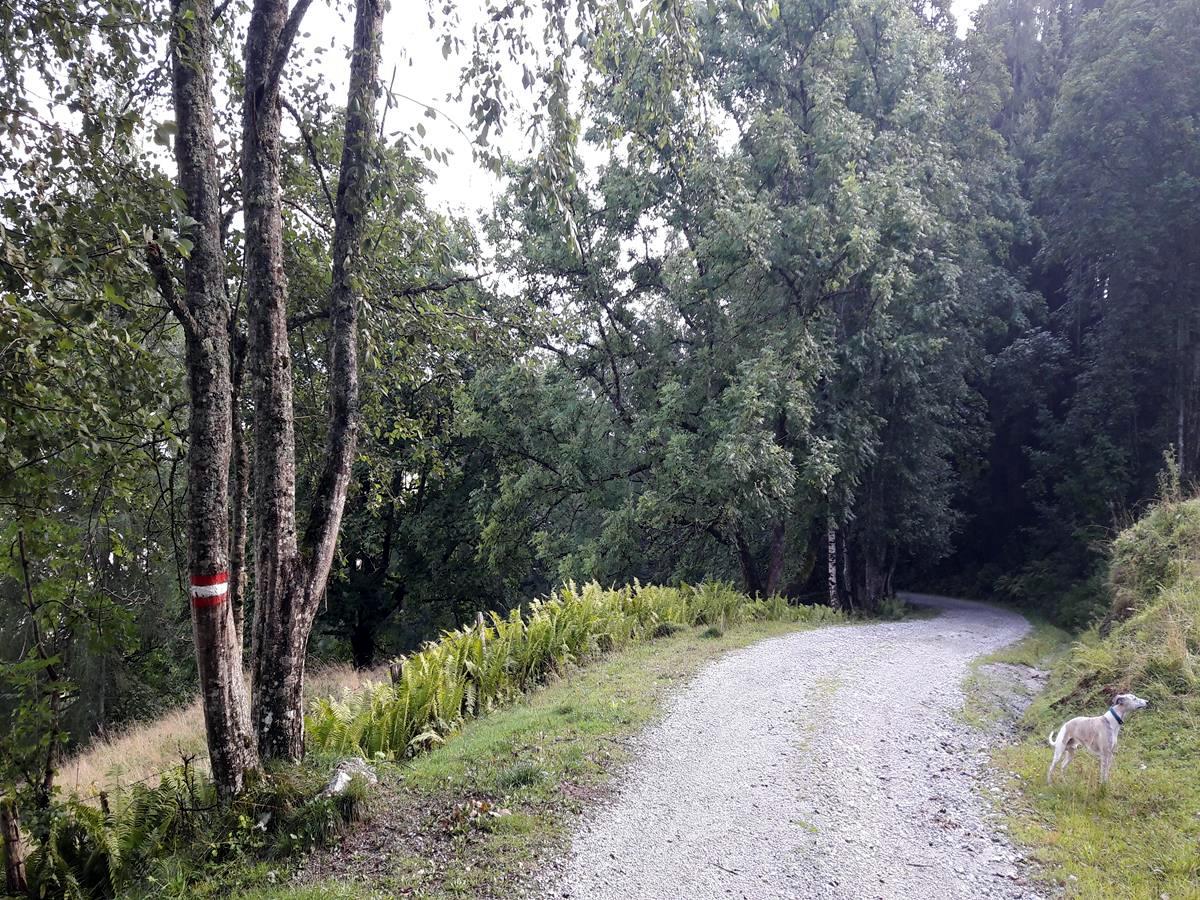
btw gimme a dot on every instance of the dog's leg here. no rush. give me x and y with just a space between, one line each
1068 755
1105 764
1058 751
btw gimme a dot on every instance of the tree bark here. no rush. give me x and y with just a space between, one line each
238 579
290 579
749 565
205 314
847 583
775 560
14 853
278 571
831 561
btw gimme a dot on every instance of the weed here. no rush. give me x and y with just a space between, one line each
520 774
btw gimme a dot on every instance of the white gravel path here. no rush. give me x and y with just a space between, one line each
824 764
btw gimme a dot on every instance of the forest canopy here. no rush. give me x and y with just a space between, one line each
819 297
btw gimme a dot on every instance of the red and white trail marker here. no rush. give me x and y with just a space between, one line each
209 590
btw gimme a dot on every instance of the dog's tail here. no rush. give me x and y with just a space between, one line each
1053 738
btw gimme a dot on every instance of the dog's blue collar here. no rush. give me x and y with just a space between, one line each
1120 721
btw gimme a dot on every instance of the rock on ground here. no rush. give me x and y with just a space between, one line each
823 764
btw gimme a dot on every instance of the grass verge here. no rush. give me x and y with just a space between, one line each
1136 838
1139 836
475 817
999 686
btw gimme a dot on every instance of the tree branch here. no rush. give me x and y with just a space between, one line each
301 319
311 149
166 287
439 287
353 202
286 38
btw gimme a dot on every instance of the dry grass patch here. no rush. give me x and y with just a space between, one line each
140 753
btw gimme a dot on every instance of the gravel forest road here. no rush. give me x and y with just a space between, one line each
822 764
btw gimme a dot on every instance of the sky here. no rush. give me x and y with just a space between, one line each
413 53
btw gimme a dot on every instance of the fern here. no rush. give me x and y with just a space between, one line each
472 670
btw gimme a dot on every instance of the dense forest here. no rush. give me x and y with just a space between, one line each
818 297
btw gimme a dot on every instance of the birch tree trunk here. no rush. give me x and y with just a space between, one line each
205 315
290 577
831 560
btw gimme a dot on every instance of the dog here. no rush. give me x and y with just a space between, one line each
1095 734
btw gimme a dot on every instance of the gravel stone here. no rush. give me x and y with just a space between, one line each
823 764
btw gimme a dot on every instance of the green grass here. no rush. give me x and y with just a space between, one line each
1044 646
1139 836
478 813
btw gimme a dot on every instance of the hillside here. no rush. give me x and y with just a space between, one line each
1138 838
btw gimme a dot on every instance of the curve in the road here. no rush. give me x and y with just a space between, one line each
822 764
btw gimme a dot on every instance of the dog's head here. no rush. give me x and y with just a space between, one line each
1127 703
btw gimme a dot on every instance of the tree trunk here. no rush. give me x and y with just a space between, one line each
775 560
14 852
44 789
847 586
278 571
870 572
362 644
289 583
1181 398
831 562
241 499
749 565
205 314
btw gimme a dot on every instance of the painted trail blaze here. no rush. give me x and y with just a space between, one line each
209 590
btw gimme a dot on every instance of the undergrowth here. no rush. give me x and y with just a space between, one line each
165 839
154 841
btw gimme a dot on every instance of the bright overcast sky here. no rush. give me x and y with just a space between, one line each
413 51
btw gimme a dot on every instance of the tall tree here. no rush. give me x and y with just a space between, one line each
206 316
291 574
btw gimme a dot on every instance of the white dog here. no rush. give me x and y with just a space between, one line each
1095 734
